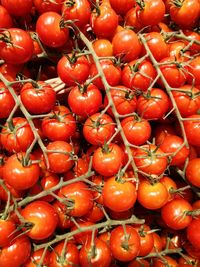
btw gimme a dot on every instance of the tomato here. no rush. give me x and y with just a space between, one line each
64 221
7 228
16 253
6 19
107 160
119 195
65 255
138 75
192 172
7 102
131 19
48 5
192 129
194 48
21 173
101 256
179 50
112 73
102 47
194 71
104 21
21 49
152 195
83 237
59 126
174 214
38 99
75 12
73 70
85 100
140 263
78 199
150 159
18 8
60 158
35 258
43 218
193 234
126 45
124 243
166 260
171 146
49 30
136 130
170 185
122 6
150 12
161 131
157 45
175 239
123 99
17 135
157 247
185 14
98 129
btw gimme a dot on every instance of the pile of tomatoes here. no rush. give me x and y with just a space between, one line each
100 133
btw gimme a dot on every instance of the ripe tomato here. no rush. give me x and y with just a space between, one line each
73 70
6 19
119 195
60 157
152 195
48 5
104 21
126 45
193 233
17 135
124 243
146 239
101 257
150 159
16 253
38 99
7 228
83 236
21 49
174 214
103 48
161 131
157 247
136 130
98 129
138 75
192 172
165 261
21 173
194 71
35 258
43 218
85 100
78 199
177 50
67 253
170 185
122 6
192 129
18 8
194 48
64 221
136 263
49 30
7 102
131 19
59 126
107 160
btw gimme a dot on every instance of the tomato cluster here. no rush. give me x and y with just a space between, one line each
100 133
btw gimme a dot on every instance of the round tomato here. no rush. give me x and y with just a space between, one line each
7 102
146 239
103 48
6 19
192 172
18 8
36 257
193 233
122 6
192 129
48 5
7 229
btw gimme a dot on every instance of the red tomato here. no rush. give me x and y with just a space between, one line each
103 48
136 130
21 173
36 257
21 49
146 239
48 5
126 45
194 71
64 221
7 102
170 185
6 19
124 243
131 19
122 6
193 171
101 257
192 129
85 100
49 30
43 218
193 233
83 237
98 129
73 70
174 214
107 160
38 99
17 135
136 263
18 8
119 195
166 260
7 228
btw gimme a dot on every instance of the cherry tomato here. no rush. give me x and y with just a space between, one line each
7 102
192 129
18 8
6 19
36 257
192 172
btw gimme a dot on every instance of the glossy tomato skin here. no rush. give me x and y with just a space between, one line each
174 214
135 263
39 213
22 49
102 254
75 72
146 239
16 253
49 30
46 6
7 228
194 71
71 255
7 102
107 162
6 19
86 236
122 6
85 101
119 195
17 175
18 8
192 172
192 129
35 258
102 47
162 262
17 136
119 243
193 233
